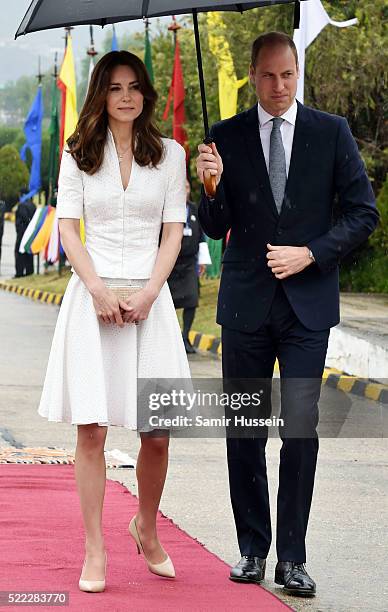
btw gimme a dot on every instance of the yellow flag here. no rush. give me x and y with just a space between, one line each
82 230
228 84
67 76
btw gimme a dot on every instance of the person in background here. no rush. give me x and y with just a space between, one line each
192 259
24 262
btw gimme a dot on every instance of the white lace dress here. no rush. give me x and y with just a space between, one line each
94 369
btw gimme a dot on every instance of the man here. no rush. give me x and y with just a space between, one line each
24 262
183 280
278 168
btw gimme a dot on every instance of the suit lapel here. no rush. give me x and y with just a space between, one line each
300 155
251 136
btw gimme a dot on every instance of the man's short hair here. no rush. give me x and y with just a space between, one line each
272 39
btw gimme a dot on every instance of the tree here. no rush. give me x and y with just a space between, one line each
9 135
347 74
16 97
14 174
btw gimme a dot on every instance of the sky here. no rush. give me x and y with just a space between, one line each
20 57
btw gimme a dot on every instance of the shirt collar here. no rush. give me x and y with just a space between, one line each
289 115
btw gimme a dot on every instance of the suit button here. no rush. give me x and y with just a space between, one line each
279 232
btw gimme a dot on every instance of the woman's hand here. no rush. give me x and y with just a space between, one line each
139 306
108 307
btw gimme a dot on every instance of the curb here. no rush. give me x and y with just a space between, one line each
35 294
331 377
208 343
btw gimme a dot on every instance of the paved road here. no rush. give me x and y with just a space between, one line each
347 539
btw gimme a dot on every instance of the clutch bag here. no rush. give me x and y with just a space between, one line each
124 292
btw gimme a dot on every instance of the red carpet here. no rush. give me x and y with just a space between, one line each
42 550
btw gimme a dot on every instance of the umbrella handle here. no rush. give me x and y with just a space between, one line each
209 180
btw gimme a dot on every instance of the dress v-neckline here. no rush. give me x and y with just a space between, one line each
130 174
116 157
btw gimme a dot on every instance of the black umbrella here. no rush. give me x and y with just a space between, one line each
48 14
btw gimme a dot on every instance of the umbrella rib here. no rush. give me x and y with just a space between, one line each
297 15
31 17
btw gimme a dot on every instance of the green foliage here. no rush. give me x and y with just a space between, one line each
368 274
380 238
14 175
367 268
10 135
347 73
16 97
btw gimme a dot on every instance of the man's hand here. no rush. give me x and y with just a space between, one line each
285 261
209 159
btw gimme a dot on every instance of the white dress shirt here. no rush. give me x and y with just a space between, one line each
122 226
287 131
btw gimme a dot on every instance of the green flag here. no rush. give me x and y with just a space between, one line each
148 55
215 250
54 142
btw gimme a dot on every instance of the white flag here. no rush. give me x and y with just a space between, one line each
91 68
313 18
53 245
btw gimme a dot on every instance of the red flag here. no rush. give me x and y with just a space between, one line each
177 93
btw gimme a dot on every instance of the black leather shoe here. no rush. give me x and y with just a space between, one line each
295 579
188 346
248 569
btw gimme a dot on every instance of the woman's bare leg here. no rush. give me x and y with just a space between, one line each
90 473
151 470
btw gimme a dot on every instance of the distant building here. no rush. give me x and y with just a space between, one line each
14 117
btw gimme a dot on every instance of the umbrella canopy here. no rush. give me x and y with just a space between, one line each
47 14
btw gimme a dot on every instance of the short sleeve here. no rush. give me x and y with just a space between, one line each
174 209
70 189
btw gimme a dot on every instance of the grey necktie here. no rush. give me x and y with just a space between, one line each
277 163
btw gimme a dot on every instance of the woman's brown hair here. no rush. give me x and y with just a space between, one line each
86 144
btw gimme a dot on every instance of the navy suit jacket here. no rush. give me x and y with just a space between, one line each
325 163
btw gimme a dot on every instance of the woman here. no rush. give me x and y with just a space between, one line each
127 182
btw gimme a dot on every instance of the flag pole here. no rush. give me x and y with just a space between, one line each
51 177
91 51
68 30
39 76
147 50
174 27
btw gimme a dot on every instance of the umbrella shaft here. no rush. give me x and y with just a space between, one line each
200 73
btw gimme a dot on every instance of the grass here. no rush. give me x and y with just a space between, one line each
205 319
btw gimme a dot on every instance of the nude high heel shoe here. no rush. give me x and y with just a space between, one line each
165 568
92 586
